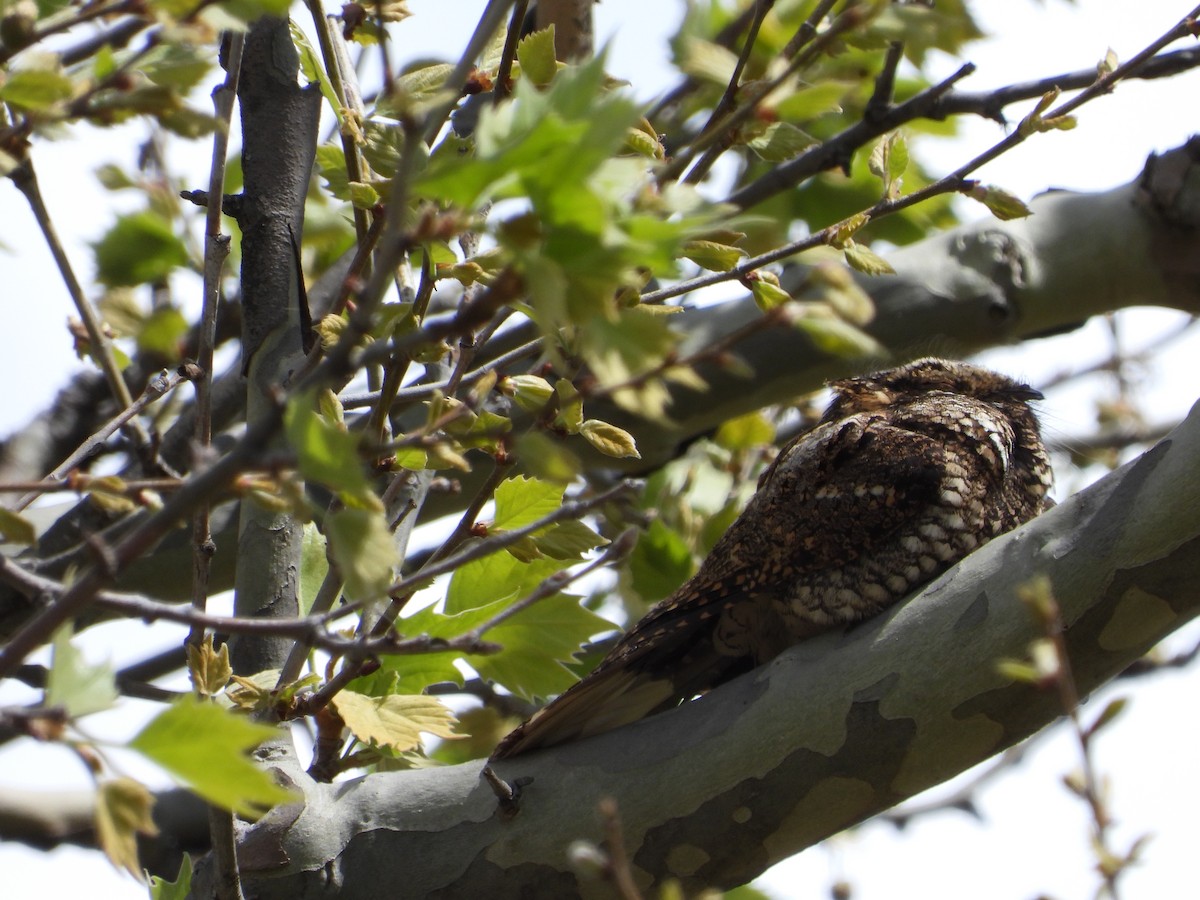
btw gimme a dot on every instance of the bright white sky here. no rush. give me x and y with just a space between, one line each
1035 839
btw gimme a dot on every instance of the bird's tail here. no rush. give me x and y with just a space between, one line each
623 689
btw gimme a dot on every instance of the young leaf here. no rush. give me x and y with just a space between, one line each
327 452
745 432
713 256
179 889
15 528
209 669
842 292
766 290
205 747
548 458
837 336
1001 203
75 685
36 89
140 248
122 813
568 540
535 53
394 722
521 501
498 577
536 642
866 260
1113 709
363 549
531 392
570 407
660 562
780 141
609 439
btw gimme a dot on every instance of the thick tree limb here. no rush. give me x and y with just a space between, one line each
827 735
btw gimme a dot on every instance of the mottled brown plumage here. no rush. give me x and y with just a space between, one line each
908 471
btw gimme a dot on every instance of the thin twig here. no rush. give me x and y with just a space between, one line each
715 142
501 89
156 387
25 179
216 251
728 101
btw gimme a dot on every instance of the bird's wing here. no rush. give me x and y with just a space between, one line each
821 504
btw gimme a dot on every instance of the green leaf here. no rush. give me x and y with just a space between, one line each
250 10
521 501
531 392
179 889
866 260
536 643
178 65
363 549
205 747
497 577
314 566
813 101
568 540
1000 203
331 165
766 290
36 90
535 53
162 333
394 722
326 451
313 70
660 562
837 287
140 248
713 256
889 160
122 813
609 439
706 60
363 195
780 141
746 432
544 145
570 407
838 337
16 529
410 672
1111 710
208 668
74 684
548 458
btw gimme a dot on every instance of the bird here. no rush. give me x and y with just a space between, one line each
908 471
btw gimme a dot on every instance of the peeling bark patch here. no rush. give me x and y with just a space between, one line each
1116 503
762 820
1171 579
974 615
686 859
1138 618
879 690
1018 709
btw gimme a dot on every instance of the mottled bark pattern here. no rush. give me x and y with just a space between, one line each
908 471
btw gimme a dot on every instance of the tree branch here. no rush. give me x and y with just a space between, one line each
832 732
